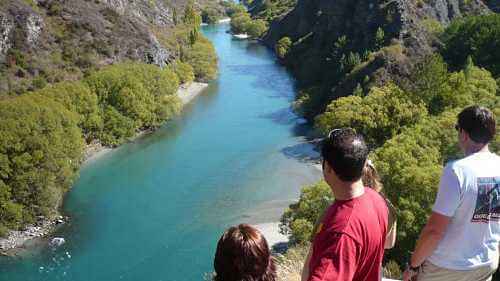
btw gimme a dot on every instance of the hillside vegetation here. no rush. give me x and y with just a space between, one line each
44 131
400 83
49 41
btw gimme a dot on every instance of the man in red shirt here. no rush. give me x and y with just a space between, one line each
349 243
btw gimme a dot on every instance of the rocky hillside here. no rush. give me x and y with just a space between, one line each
338 46
46 41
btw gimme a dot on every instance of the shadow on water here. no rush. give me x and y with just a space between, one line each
267 78
284 116
304 152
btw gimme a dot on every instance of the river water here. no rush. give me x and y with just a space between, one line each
154 209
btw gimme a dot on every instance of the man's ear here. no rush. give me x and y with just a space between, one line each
465 136
326 167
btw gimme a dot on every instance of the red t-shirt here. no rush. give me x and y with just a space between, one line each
349 244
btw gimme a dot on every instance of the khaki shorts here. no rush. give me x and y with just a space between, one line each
431 272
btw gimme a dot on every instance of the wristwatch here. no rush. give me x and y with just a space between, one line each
413 269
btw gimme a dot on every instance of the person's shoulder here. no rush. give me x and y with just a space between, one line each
375 196
338 216
473 161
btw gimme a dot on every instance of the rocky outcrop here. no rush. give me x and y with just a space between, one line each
55 37
6 26
314 27
123 27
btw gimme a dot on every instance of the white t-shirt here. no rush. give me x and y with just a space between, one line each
469 192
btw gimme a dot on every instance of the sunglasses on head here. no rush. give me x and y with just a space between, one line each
336 132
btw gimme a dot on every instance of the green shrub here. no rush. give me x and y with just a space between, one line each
283 47
40 149
202 57
117 128
141 96
4 231
256 28
240 23
475 36
233 8
17 57
184 71
299 219
77 98
210 16
379 116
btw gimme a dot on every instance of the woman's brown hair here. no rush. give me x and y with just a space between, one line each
243 255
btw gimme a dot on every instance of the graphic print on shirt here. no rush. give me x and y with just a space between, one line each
488 200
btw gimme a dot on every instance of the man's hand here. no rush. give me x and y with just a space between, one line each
409 275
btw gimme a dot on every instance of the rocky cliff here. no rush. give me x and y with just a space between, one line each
339 45
52 40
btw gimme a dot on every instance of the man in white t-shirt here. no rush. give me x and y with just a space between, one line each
461 238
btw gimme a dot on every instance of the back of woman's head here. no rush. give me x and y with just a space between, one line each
243 255
371 178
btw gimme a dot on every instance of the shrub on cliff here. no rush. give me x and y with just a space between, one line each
299 219
240 22
256 28
184 71
77 98
40 149
202 57
210 15
475 36
141 94
283 47
382 114
233 8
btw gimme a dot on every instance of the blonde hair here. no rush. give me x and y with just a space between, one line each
371 178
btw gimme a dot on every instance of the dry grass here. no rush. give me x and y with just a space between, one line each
289 265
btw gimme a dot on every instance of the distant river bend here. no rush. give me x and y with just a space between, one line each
154 209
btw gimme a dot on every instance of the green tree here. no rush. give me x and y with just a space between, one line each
117 128
475 36
202 57
240 23
379 38
428 82
299 219
184 71
210 16
77 97
256 28
379 116
283 47
40 149
233 8
191 17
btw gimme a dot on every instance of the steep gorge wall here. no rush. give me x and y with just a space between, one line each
314 26
45 36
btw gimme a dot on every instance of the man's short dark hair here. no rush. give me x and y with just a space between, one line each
479 122
346 152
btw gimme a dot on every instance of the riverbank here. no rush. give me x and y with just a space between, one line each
186 93
16 240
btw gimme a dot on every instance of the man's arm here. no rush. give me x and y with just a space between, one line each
432 233
390 239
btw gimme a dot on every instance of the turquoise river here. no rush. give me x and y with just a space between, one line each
153 209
